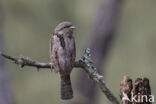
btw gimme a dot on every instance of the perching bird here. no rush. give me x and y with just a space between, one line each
62 54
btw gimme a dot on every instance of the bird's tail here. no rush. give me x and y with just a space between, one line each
66 88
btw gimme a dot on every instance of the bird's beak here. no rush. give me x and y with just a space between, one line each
72 27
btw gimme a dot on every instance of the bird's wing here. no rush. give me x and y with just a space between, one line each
54 55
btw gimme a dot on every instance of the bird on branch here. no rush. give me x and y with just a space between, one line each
62 55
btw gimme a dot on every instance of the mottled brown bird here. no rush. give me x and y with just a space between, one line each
62 54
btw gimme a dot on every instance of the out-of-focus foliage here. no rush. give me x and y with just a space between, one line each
28 25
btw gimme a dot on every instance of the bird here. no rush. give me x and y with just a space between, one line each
62 55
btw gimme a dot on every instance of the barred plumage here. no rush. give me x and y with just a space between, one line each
62 54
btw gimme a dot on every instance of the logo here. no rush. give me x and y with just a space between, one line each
138 98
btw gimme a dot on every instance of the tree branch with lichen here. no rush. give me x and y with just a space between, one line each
84 62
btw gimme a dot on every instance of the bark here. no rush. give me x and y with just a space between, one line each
126 86
140 88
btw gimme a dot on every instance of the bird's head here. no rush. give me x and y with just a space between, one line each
64 28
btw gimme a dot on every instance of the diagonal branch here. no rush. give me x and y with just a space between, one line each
84 62
88 66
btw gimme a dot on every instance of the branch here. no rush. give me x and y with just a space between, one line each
26 61
84 62
87 64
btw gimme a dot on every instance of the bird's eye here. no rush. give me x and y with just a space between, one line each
63 27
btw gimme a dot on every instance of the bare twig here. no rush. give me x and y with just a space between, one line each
84 62
26 61
29 62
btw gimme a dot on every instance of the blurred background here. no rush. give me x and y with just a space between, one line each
120 33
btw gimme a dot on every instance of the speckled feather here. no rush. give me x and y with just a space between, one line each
62 54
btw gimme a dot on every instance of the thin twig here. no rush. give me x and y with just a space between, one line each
26 61
84 62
